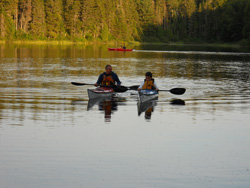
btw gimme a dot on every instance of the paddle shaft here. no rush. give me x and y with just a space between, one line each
135 87
176 91
85 84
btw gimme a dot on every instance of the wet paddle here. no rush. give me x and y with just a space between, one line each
176 91
81 84
116 88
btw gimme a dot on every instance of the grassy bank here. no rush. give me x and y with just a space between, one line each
66 42
119 43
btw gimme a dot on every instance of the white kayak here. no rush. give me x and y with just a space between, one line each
101 92
147 95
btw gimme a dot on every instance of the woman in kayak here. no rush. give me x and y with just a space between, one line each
108 77
149 83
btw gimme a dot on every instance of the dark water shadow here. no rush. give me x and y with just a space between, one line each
177 102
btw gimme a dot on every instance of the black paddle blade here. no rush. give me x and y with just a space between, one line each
177 91
120 89
135 87
124 88
78 84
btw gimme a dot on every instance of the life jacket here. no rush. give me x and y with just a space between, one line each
148 84
107 79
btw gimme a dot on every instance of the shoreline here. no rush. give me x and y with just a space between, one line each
68 42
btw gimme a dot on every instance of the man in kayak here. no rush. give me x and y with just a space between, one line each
108 77
149 83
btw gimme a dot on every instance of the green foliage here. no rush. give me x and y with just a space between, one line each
54 19
233 20
126 20
9 28
72 18
38 25
246 28
105 33
22 35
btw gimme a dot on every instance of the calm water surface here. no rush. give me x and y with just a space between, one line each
52 136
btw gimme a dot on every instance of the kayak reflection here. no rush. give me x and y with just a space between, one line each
147 107
107 105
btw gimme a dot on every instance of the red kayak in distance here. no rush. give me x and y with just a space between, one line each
119 49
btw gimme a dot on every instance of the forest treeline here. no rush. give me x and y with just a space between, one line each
126 20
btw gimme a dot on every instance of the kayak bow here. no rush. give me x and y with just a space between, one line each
101 92
147 94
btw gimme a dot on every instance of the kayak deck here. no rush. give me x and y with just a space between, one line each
101 92
147 95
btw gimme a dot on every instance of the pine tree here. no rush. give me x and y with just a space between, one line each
246 29
54 20
2 28
72 18
25 14
9 19
147 18
38 25
89 19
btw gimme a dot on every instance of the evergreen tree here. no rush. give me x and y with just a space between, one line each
38 25
2 27
72 18
54 20
232 21
89 19
246 29
145 20
9 19
25 14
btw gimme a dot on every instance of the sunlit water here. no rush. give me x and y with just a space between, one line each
52 136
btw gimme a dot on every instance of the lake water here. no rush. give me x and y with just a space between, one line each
52 136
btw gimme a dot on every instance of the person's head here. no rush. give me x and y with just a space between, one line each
108 69
148 76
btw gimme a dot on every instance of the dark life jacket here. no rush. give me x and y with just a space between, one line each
107 79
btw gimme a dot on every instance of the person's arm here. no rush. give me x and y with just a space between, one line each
99 81
156 87
116 79
140 87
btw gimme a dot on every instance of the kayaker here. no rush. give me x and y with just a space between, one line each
149 83
108 77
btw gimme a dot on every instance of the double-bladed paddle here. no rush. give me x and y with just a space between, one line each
116 88
176 91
